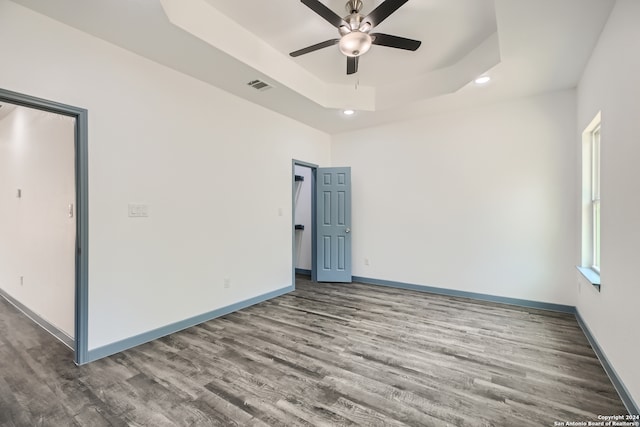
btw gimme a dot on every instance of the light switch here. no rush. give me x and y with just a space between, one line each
138 211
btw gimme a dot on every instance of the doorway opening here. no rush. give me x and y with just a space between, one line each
69 215
304 220
321 222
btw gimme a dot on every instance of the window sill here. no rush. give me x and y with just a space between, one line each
591 275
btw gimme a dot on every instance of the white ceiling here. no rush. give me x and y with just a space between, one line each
526 46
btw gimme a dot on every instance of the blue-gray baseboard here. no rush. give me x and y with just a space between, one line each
454 293
628 401
116 347
303 271
63 337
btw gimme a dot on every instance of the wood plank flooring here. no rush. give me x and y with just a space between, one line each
324 355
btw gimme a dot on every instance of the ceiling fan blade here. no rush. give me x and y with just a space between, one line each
395 41
314 47
325 12
383 11
352 64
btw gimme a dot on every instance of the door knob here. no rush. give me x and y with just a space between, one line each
348 230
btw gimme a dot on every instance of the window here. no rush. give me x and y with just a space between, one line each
595 198
591 140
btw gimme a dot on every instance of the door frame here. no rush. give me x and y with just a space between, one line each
314 261
82 208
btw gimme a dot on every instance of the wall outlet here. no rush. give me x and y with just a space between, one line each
227 283
21 280
366 261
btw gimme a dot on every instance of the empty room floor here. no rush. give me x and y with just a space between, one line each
326 354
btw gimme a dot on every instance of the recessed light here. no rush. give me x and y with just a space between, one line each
482 80
348 112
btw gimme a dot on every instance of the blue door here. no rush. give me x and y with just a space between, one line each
333 216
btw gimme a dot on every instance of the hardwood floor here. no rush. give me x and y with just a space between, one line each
326 354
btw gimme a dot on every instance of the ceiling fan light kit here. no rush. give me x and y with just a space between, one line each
354 29
355 43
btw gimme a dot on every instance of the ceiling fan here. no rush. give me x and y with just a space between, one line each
355 30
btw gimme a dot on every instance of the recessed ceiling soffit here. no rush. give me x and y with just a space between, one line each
455 48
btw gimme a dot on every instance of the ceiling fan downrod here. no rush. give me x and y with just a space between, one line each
353 6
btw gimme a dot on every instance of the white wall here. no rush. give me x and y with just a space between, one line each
303 216
481 200
610 84
37 236
214 185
